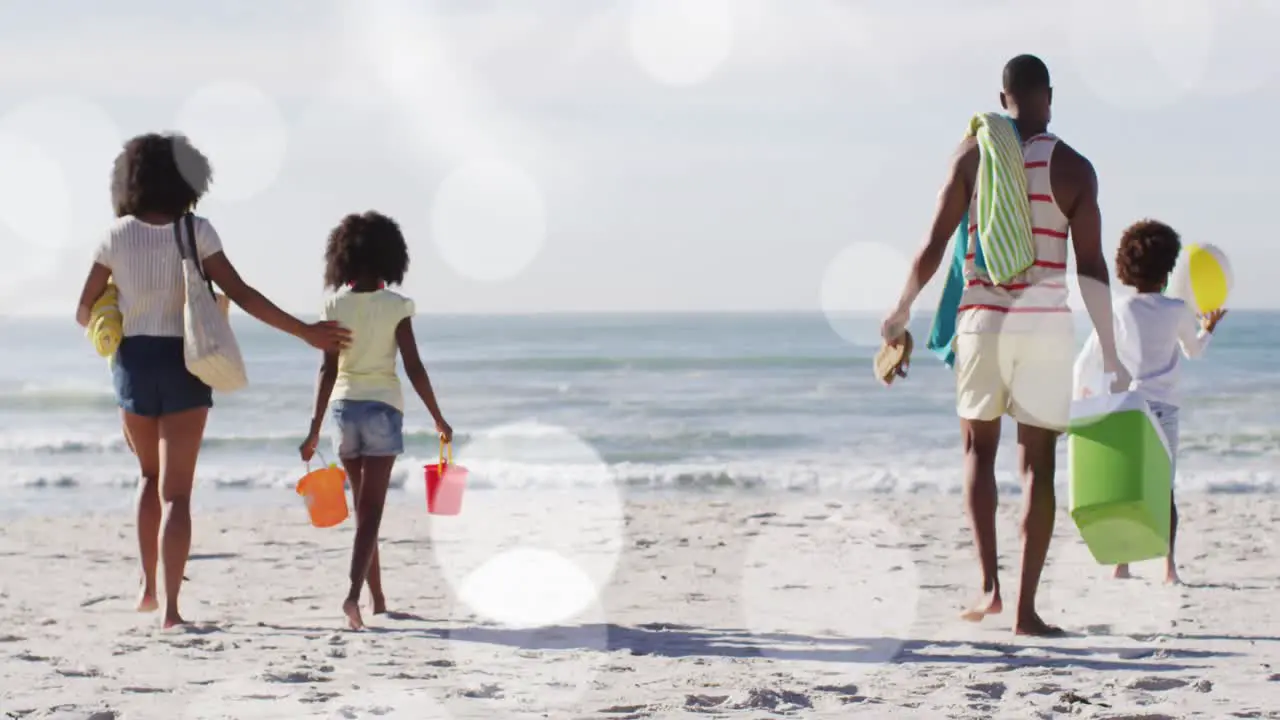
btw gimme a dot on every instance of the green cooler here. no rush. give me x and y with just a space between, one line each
1121 478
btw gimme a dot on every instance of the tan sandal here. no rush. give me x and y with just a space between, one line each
892 361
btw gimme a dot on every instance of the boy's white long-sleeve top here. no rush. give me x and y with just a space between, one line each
1153 334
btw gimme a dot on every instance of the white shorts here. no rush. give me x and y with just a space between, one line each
1024 375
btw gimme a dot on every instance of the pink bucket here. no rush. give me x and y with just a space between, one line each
445 484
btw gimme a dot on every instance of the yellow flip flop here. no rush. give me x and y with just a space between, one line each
892 361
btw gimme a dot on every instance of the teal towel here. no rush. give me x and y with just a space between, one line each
944 322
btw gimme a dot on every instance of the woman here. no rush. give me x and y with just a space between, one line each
156 180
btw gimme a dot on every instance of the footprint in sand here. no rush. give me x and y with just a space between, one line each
988 691
1158 684
191 629
79 672
487 691
778 701
845 692
196 643
626 712
698 703
316 697
305 676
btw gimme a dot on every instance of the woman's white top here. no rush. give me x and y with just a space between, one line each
147 269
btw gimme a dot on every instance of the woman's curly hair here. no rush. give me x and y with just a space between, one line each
1147 255
365 247
159 173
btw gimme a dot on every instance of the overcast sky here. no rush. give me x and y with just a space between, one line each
550 155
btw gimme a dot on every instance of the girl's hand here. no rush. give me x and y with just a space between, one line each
308 447
1209 321
327 335
446 432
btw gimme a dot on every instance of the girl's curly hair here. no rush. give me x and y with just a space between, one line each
1147 255
159 173
365 247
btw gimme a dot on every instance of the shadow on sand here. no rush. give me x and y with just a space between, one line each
678 641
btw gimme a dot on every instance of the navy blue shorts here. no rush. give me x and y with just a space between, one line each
151 378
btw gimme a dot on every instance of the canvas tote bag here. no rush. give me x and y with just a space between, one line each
211 350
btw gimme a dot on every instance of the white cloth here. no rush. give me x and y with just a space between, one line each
1153 334
145 266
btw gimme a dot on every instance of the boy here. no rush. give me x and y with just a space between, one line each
1153 333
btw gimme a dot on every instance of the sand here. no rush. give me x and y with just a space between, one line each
732 607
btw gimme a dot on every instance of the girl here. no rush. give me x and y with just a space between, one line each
1153 333
365 254
155 182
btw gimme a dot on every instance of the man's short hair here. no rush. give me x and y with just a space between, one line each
1024 75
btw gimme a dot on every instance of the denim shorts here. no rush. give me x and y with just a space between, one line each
151 378
1167 416
367 428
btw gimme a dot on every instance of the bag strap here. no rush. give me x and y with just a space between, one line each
187 250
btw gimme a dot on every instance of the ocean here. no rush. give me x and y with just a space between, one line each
677 403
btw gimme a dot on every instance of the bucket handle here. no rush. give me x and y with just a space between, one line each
446 453
322 459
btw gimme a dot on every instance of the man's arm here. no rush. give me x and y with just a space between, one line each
952 203
1085 218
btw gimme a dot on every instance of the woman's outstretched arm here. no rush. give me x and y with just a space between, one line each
327 336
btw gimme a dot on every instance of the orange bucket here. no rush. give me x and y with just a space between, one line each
445 483
325 494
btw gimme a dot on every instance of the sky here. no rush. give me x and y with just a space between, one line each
602 155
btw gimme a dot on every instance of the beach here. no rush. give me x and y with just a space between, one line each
729 605
666 516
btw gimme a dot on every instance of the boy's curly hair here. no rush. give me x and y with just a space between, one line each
1147 255
365 247
159 173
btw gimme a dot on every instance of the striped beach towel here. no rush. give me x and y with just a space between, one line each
1005 246
1004 224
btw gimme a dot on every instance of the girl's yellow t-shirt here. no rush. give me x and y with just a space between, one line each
367 368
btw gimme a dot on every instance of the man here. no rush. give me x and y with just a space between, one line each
1015 342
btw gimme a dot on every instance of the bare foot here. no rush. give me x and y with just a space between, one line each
1171 578
352 610
1122 573
172 620
379 605
1032 626
147 601
989 604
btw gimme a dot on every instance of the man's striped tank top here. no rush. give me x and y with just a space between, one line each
1035 300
